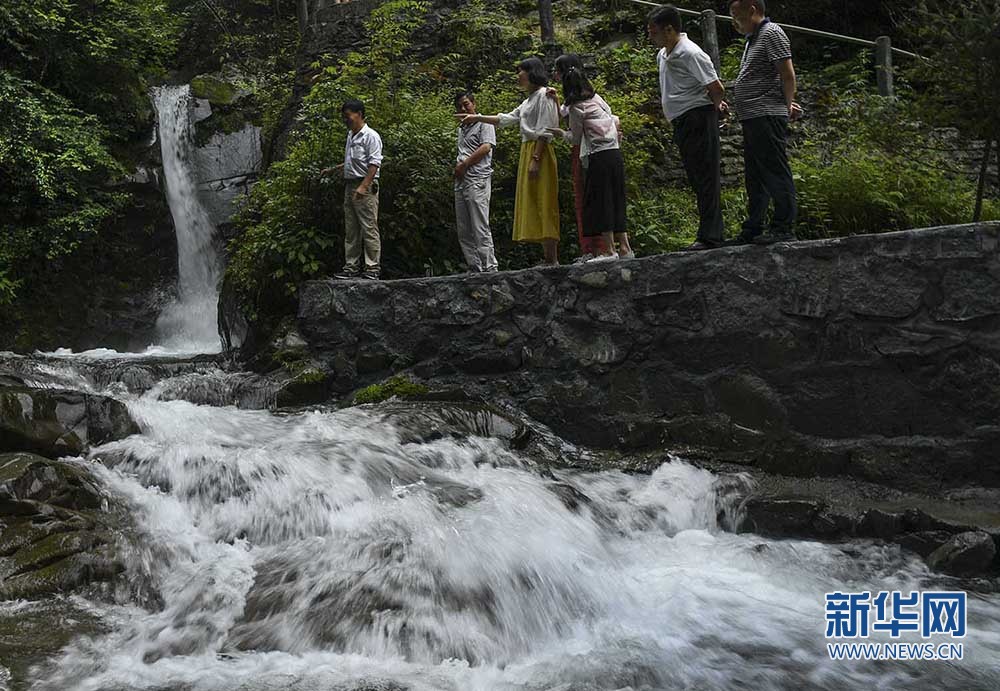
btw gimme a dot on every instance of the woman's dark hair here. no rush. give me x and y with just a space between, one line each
464 94
535 69
567 60
576 86
355 106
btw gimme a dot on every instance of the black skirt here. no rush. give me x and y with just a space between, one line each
604 194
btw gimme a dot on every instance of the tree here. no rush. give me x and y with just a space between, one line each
961 41
545 17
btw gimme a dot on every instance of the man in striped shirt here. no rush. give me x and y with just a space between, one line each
764 99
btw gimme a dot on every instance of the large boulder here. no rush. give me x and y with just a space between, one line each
56 527
966 554
55 422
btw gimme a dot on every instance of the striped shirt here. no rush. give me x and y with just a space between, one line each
758 90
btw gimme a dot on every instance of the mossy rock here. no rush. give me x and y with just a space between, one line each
54 548
26 479
215 90
398 387
63 575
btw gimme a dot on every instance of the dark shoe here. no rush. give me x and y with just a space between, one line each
348 273
700 245
744 238
772 238
370 275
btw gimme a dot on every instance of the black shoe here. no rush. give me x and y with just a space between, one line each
698 245
348 273
772 238
370 275
744 238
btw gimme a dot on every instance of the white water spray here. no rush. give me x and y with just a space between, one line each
326 550
189 324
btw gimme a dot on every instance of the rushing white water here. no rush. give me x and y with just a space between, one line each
323 550
189 324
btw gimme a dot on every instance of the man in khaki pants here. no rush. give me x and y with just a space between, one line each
362 161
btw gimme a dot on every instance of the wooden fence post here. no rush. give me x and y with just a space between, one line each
883 65
711 38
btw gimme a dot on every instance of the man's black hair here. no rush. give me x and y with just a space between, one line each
761 5
664 16
355 106
536 71
464 94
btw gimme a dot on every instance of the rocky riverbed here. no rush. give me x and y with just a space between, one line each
164 525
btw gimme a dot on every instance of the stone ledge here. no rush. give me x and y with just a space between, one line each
875 356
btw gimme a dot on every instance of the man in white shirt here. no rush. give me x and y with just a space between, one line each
691 96
362 163
473 187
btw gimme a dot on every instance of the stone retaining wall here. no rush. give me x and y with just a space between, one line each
873 356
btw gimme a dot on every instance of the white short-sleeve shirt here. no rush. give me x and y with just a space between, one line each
362 150
684 73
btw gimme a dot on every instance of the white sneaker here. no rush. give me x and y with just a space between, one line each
604 258
627 255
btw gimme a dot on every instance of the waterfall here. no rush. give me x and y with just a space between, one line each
189 323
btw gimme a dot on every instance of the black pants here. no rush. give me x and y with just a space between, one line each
696 133
768 175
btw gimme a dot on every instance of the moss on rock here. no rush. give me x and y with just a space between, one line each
215 90
398 387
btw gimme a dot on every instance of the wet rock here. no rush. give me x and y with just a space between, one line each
925 542
56 527
800 518
966 554
59 422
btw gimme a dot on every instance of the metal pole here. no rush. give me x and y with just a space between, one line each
710 36
883 66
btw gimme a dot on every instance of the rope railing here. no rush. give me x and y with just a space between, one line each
882 45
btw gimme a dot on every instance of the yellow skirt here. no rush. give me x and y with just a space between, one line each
536 205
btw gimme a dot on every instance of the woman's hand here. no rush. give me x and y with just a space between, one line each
556 132
552 93
466 118
534 168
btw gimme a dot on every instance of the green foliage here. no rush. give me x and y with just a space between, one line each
398 387
872 164
961 76
97 55
54 163
72 92
853 190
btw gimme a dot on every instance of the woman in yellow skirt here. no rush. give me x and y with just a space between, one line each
536 205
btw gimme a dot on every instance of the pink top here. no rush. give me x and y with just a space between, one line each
593 126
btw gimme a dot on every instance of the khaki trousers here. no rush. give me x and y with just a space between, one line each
472 213
361 228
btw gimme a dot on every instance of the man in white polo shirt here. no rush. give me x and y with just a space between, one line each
362 163
691 95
